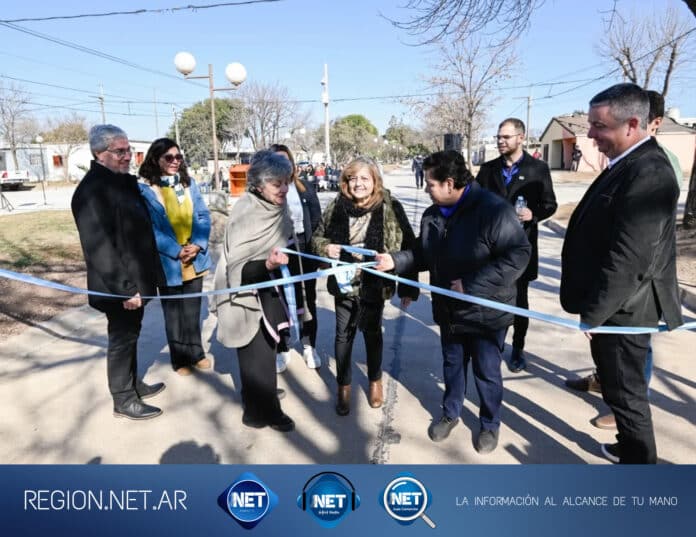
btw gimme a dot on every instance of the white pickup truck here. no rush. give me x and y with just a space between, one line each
12 180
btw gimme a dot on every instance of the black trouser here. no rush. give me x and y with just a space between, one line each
257 371
182 322
620 361
309 328
122 354
419 178
351 314
521 324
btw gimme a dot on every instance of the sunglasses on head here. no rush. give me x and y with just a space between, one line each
169 158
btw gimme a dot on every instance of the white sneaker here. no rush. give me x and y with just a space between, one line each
311 357
282 361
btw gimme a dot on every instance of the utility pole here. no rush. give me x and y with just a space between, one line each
529 115
101 102
325 100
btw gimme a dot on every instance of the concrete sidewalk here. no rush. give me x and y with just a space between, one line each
58 409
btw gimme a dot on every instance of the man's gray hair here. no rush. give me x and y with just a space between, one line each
267 166
625 101
101 136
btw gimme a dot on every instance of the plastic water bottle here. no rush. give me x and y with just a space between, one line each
520 204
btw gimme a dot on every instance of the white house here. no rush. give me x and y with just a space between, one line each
47 160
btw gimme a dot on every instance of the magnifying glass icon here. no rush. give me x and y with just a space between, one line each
405 499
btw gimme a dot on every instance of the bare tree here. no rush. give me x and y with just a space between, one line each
470 71
455 20
436 20
16 124
234 126
648 50
68 134
270 111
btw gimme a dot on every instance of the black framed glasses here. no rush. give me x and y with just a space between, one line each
169 158
121 153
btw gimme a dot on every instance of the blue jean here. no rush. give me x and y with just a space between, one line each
485 354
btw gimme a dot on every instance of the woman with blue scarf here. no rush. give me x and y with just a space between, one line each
181 223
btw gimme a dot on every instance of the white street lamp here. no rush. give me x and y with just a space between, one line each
235 72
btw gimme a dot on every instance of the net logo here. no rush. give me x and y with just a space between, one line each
405 499
248 500
328 497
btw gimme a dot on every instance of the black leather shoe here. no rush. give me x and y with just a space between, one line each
284 424
145 391
136 410
253 422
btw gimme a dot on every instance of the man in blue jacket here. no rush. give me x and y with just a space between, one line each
471 242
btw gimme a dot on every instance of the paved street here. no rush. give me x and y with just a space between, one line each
53 385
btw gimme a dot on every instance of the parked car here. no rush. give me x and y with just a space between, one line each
12 180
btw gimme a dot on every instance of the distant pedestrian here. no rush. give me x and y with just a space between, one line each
417 169
536 154
121 257
575 156
181 223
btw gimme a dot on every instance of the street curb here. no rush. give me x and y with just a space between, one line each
687 297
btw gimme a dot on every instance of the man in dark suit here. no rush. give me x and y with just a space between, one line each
121 258
514 174
618 261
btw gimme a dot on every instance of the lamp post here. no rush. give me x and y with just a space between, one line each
39 140
325 101
235 72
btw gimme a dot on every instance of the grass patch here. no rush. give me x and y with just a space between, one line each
41 238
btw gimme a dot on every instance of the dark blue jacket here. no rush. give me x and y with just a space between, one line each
484 245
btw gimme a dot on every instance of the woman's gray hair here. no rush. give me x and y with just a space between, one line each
101 136
267 166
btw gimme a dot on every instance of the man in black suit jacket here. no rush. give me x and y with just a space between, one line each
512 175
618 261
121 258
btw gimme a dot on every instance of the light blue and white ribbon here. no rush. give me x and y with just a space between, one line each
291 301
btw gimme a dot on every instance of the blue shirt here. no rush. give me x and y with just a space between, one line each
512 170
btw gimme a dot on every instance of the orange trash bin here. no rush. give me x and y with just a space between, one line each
238 179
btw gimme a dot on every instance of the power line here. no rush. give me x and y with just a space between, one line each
140 11
93 52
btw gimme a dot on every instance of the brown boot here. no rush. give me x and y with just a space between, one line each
376 393
607 421
343 402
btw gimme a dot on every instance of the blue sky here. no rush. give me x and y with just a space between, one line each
289 42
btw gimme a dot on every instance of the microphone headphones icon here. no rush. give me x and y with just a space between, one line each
340 476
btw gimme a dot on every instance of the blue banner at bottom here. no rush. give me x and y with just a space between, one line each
271 500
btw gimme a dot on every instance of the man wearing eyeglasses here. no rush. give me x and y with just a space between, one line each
514 175
121 258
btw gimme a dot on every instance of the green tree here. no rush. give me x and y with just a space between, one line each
195 128
349 136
